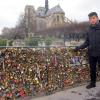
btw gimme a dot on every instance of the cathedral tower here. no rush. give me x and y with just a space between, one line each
46 5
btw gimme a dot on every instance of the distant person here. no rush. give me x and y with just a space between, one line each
92 42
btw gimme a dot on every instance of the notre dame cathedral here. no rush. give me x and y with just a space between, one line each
43 17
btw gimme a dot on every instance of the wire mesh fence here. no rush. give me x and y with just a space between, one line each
35 71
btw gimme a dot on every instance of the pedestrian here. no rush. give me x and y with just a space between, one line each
92 42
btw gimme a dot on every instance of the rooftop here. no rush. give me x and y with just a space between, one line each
56 9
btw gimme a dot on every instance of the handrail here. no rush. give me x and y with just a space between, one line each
33 46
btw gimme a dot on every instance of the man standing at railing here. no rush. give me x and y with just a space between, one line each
92 42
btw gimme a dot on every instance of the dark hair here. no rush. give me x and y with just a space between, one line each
92 14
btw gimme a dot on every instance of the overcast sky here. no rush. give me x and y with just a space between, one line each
74 9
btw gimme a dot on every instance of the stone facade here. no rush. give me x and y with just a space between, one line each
43 18
30 18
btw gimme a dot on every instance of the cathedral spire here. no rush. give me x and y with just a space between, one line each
46 5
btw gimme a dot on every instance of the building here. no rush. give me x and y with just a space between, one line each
43 18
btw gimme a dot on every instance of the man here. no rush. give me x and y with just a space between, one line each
92 42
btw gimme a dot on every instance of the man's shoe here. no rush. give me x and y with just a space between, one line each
90 86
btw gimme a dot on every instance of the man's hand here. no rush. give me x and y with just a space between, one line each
76 49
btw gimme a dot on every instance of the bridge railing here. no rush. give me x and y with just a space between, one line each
34 71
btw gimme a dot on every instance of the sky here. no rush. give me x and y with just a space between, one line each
77 10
